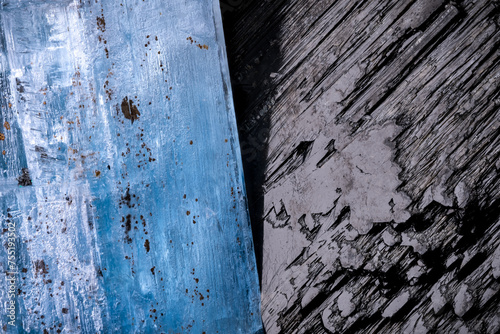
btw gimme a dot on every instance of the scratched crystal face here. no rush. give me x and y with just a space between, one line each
121 195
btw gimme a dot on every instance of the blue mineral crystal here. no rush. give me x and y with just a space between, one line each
122 198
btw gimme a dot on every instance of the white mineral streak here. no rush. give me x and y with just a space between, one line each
463 300
345 304
395 305
495 264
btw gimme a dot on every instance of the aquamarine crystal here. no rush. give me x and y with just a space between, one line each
121 178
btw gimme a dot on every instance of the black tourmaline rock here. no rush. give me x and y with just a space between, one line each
370 138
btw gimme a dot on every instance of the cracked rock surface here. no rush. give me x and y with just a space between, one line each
370 137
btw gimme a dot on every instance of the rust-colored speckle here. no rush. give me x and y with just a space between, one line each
188 212
204 46
225 140
6 125
129 110
4 153
97 173
146 245
2 136
40 267
101 23
153 270
191 142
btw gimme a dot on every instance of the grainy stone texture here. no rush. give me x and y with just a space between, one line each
370 137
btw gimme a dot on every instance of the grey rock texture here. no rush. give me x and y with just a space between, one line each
370 135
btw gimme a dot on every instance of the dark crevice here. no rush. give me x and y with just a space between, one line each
246 86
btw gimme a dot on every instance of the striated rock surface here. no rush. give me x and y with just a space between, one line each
371 143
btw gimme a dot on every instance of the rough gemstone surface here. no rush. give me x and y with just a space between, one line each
120 171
